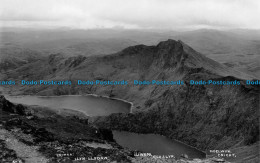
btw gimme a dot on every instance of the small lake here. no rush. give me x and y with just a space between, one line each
155 144
89 104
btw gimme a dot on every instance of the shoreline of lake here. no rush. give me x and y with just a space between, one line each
94 95
163 137
89 104
110 98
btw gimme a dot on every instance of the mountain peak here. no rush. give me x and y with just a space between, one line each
172 55
169 44
163 45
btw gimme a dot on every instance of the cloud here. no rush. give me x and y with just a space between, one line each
132 13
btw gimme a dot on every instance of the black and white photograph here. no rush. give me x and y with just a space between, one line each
129 81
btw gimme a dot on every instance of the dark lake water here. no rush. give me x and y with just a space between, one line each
90 105
155 144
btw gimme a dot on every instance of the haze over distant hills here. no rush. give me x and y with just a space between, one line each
239 49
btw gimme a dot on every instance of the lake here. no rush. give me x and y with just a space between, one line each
89 104
101 106
155 144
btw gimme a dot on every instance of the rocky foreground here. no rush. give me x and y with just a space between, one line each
28 134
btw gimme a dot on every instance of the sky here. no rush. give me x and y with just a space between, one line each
131 14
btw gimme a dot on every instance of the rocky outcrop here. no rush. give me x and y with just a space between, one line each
7 155
207 117
7 106
56 138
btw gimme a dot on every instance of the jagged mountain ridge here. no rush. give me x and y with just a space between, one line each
173 54
169 60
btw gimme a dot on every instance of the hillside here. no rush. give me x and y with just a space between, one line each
204 116
169 60
237 49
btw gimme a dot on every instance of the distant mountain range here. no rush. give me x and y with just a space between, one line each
239 49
